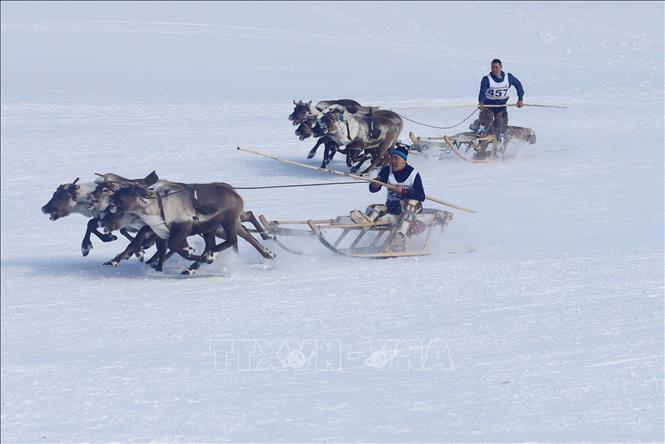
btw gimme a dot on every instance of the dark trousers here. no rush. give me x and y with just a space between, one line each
495 120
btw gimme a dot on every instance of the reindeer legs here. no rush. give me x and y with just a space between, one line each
138 253
178 241
144 235
312 152
263 251
207 255
168 254
161 251
382 150
329 153
86 245
231 240
125 233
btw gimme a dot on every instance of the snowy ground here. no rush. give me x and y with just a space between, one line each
540 318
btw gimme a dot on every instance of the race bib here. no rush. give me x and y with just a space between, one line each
497 90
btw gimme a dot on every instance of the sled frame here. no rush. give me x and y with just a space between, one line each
378 236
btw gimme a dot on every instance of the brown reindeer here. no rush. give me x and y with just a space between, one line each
312 126
355 132
174 211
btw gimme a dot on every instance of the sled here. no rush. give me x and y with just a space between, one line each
470 147
379 239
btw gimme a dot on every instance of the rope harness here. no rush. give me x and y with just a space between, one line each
161 208
195 199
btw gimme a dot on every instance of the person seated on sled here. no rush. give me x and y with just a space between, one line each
494 91
404 202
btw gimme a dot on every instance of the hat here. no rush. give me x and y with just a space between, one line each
400 151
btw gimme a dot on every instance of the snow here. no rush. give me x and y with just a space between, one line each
538 319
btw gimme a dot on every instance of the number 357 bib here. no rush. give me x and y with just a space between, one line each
497 90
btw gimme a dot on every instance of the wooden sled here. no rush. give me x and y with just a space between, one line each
380 239
469 147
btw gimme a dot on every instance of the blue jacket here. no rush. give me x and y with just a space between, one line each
416 192
485 83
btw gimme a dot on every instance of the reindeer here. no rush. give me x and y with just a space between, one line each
108 184
304 110
174 211
353 131
305 115
71 198
312 127
76 198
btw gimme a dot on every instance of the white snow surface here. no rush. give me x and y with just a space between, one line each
540 317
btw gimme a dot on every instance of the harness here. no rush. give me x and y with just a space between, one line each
346 122
195 200
369 118
161 207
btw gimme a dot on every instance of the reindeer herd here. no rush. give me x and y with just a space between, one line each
151 211
155 212
367 133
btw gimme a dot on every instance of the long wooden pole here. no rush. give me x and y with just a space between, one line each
365 179
507 104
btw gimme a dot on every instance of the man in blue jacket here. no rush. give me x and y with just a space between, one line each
494 91
406 179
404 200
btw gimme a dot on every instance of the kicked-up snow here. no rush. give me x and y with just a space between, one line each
540 318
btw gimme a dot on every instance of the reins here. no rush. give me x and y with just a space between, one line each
434 126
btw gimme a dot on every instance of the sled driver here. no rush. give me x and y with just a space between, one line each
494 91
402 203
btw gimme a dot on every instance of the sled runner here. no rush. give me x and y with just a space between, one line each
356 236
